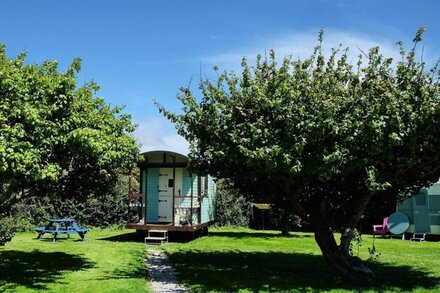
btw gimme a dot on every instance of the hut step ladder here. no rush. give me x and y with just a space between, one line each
418 237
156 237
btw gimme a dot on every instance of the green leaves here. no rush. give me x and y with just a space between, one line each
372 181
318 130
418 37
54 133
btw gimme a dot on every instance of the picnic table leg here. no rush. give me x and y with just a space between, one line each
83 236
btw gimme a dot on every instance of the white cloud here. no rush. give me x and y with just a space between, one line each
300 45
157 133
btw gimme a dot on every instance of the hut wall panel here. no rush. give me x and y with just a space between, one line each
208 203
186 188
186 184
406 207
434 208
195 193
407 204
194 184
435 220
435 229
153 194
434 202
434 189
143 191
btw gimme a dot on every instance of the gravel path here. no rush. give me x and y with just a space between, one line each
162 274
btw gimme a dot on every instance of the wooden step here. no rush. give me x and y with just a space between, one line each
155 240
164 233
158 231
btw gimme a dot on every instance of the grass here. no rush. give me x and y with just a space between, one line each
110 261
243 260
228 260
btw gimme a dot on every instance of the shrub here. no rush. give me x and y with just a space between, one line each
232 207
98 210
7 230
284 220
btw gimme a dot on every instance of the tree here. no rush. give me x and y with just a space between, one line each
321 136
57 138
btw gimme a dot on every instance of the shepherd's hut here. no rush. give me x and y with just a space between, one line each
172 198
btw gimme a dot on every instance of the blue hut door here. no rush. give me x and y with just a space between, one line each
421 212
165 189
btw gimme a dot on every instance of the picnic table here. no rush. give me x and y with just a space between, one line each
62 226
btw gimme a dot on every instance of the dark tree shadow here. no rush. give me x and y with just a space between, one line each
232 271
173 236
127 237
35 269
260 235
184 237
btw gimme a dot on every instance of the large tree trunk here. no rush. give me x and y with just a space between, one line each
285 221
285 229
338 256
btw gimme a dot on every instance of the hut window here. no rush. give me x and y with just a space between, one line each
170 182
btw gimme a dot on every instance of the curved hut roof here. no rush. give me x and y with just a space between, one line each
162 158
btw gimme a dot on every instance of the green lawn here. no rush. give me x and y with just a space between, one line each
229 260
110 261
242 260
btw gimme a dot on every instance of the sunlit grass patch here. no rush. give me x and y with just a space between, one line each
110 261
243 260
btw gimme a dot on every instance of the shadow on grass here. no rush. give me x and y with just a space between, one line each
232 271
257 235
35 269
126 237
173 236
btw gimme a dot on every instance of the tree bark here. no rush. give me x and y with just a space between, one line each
338 256
285 229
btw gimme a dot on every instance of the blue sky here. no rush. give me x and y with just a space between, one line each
140 50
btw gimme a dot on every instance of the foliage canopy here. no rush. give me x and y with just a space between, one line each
320 136
56 137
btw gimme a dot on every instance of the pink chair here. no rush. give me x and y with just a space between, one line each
381 229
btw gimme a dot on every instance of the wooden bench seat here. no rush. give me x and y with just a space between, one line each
50 231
